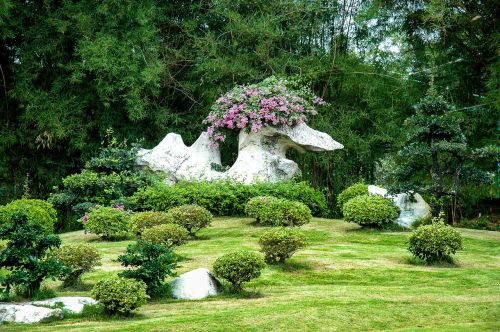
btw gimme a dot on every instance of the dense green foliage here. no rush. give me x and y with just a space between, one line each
278 244
168 235
150 263
370 210
435 242
256 204
191 217
26 255
356 189
238 267
283 212
139 221
79 258
224 198
107 222
38 211
120 295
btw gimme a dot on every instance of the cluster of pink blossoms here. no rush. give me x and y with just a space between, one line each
252 107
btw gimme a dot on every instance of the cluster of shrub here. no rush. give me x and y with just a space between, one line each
432 239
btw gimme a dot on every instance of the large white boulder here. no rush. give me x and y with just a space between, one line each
194 285
27 313
410 209
74 304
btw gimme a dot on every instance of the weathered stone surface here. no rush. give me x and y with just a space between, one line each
27 313
261 155
71 303
195 285
410 210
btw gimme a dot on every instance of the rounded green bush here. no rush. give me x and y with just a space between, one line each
107 222
255 205
37 210
120 295
281 243
80 258
282 212
370 210
191 217
139 221
357 189
239 267
167 234
435 242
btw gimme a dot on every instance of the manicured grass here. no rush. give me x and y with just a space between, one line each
347 279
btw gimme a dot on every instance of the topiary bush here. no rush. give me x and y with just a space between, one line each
107 222
281 243
150 263
120 295
139 221
37 210
435 242
282 212
255 205
239 267
80 258
370 210
191 217
168 235
357 189
226 198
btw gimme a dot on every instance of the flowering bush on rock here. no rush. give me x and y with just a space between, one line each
272 102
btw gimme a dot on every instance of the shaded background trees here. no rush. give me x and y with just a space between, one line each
72 69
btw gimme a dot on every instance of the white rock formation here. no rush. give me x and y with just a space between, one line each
74 304
261 155
27 313
411 210
194 285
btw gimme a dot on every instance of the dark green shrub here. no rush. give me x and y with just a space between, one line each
120 295
435 242
355 190
255 205
282 212
225 198
191 217
79 258
239 267
281 243
107 222
483 222
139 221
370 210
168 235
26 255
38 211
150 263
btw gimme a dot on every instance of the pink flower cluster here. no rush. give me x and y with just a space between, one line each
269 103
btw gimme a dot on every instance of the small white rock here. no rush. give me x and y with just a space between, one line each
27 313
74 304
195 285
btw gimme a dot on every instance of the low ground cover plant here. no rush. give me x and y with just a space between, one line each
120 295
279 244
139 221
238 267
283 212
370 210
79 258
435 242
169 235
191 217
107 222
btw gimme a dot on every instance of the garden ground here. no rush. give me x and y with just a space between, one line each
347 279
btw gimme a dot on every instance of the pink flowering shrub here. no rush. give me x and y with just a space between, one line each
272 102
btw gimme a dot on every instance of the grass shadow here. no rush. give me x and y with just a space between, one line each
448 262
293 266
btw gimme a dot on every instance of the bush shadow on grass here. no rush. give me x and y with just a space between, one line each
447 262
292 266
80 286
97 313
374 229
199 237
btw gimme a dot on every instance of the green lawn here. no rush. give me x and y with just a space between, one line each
347 279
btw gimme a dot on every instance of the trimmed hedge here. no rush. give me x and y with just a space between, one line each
120 295
168 235
435 242
37 210
107 222
225 198
238 267
282 212
278 244
139 221
357 189
370 210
